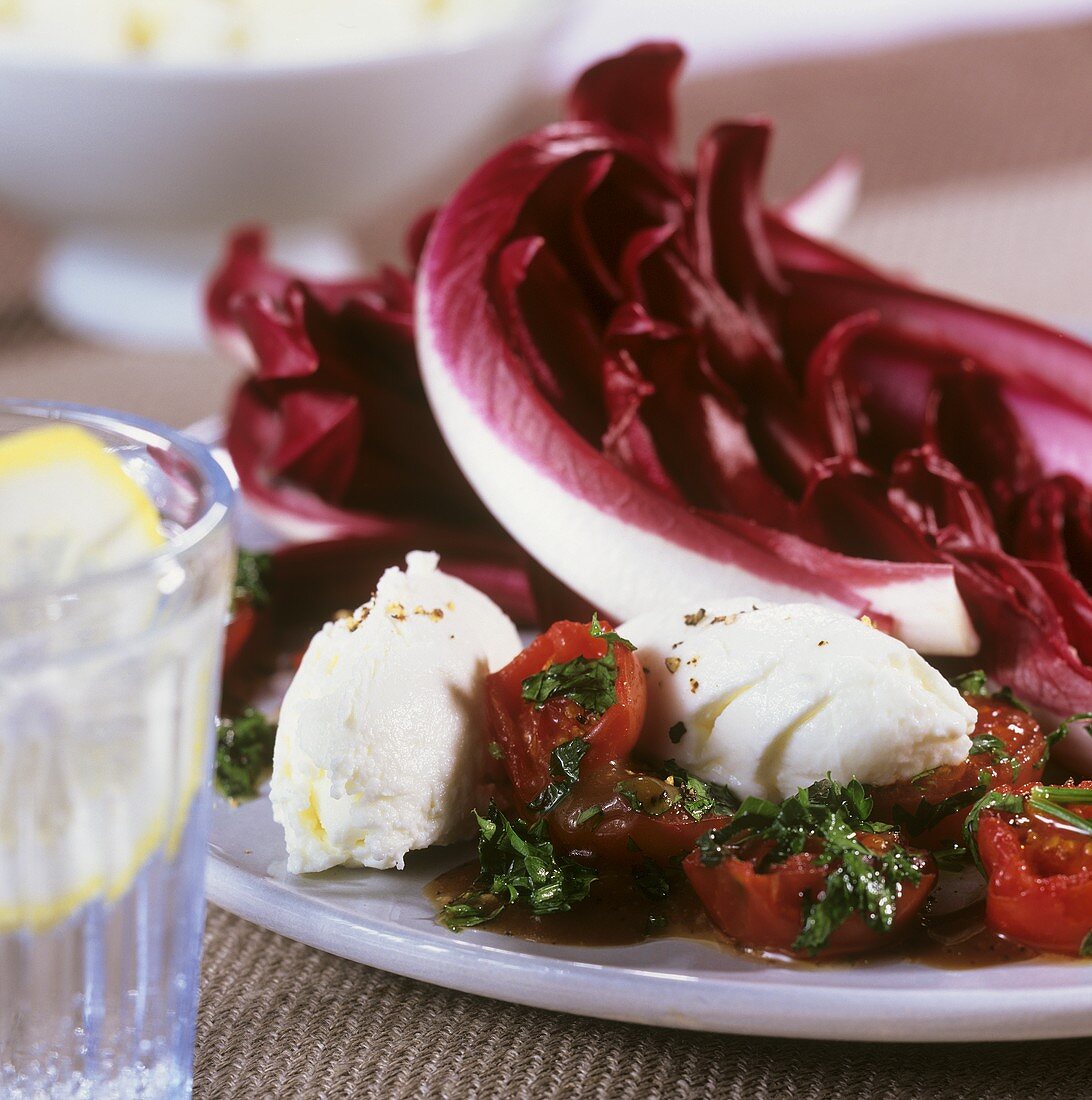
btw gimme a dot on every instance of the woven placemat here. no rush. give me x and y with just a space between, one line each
281 1019
978 157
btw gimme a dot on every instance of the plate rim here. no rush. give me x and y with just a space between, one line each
659 998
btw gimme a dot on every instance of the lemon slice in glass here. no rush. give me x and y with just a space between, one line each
68 508
89 756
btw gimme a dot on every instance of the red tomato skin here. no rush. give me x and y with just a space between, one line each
621 836
1024 741
527 736
1051 912
766 910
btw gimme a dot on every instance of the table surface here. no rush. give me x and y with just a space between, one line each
978 157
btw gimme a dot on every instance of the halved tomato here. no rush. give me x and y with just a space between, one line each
764 906
1040 872
621 816
527 732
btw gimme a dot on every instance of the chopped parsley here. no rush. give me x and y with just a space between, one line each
587 681
655 885
596 631
994 747
244 753
1086 946
977 683
971 683
565 770
674 786
927 815
859 880
495 750
589 814
518 866
651 881
252 579
700 797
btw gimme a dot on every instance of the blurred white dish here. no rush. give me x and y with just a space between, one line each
240 31
140 167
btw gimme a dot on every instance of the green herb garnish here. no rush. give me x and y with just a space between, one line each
977 683
927 815
858 881
252 579
991 800
587 681
1086 945
674 786
971 683
700 797
651 881
495 750
676 733
244 753
590 814
995 748
596 631
565 769
518 866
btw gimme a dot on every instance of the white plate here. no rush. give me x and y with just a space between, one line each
383 919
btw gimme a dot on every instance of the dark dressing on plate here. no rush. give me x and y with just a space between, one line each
617 913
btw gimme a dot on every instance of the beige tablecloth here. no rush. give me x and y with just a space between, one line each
978 158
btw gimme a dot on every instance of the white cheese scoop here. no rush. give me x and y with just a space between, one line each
379 749
773 697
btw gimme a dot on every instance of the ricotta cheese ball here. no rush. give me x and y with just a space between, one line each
770 698
379 749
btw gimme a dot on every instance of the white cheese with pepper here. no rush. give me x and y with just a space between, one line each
770 698
380 744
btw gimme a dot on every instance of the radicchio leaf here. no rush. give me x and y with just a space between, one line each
332 437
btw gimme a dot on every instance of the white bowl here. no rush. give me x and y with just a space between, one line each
128 160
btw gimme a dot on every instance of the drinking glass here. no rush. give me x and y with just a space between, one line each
108 690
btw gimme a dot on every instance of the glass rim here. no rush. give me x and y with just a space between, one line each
148 432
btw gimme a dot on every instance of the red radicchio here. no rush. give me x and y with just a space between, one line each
606 336
659 384
597 331
332 436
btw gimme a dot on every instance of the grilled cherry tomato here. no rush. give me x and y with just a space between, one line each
621 816
1015 755
763 906
1040 876
528 733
